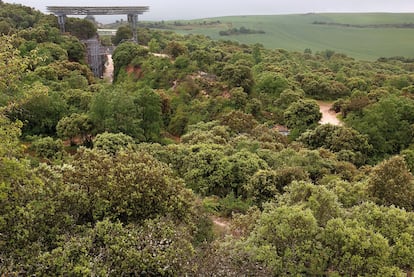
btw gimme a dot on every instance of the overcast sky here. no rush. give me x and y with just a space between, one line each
187 9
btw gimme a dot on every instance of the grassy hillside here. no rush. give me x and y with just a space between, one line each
298 32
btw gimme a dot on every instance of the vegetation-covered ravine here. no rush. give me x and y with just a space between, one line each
208 160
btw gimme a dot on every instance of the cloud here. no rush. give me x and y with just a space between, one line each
186 9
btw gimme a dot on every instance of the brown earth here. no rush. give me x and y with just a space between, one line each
328 115
109 69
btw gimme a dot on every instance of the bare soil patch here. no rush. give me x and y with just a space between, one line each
328 116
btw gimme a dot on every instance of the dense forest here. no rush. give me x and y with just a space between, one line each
178 168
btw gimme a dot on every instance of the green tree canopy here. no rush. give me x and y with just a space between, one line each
80 28
302 115
136 113
123 33
271 83
12 67
387 124
391 183
121 186
285 239
338 139
238 75
354 250
75 125
113 143
124 54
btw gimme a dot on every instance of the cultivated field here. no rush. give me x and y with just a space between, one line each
363 36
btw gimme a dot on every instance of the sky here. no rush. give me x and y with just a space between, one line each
188 9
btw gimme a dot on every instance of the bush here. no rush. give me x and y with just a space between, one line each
48 148
230 204
113 143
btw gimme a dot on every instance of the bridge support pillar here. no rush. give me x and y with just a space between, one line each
61 21
133 21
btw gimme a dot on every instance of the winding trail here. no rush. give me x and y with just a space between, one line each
221 226
328 115
221 222
109 69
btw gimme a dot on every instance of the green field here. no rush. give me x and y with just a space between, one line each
297 32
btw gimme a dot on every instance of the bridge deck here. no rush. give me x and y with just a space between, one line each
79 10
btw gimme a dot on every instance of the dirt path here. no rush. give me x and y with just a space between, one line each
328 116
221 226
109 69
221 222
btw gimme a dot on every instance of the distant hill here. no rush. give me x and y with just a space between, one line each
366 36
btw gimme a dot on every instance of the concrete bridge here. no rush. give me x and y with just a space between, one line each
132 13
95 52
